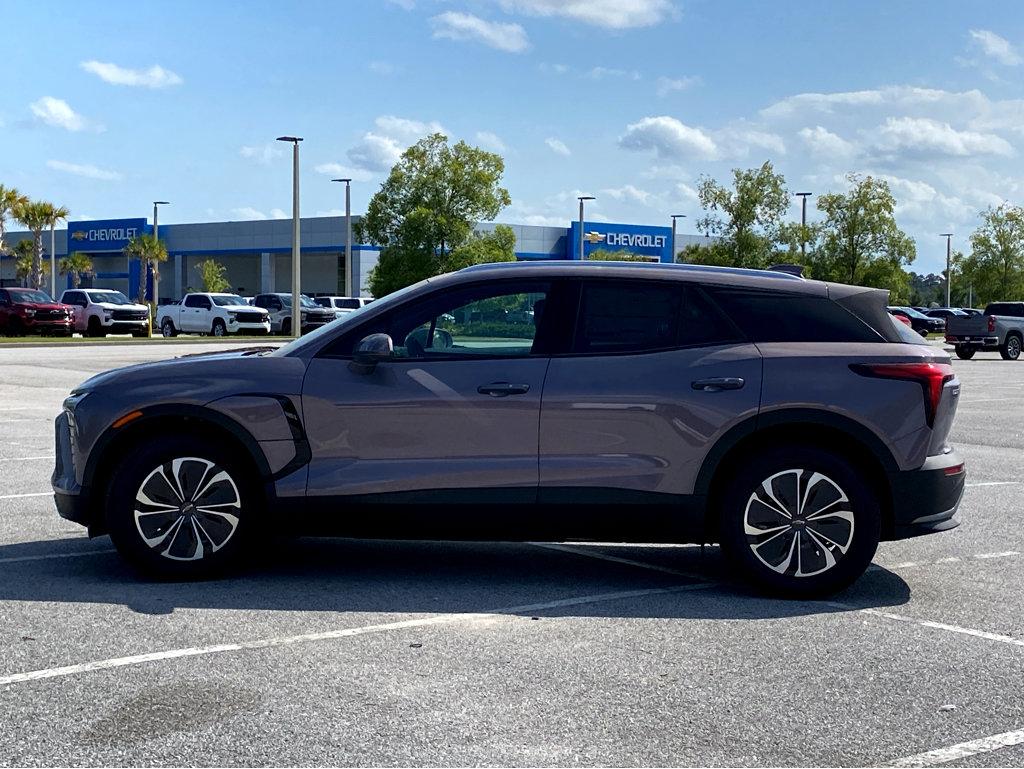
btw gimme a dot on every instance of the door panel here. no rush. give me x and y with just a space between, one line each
636 423
420 425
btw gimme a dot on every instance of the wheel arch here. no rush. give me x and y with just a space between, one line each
812 427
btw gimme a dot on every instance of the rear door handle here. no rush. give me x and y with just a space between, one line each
715 384
502 389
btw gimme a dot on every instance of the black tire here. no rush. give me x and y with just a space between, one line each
923 332
94 328
964 353
286 327
167 328
223 527
842 546
14 326
1010 349
219 329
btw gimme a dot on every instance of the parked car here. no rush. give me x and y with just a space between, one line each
1000 328
920 322
902 319
946 312
29 311
660 403
972 311
342 305
280 308
102 311
212 313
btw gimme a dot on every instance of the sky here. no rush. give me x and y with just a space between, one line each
111 105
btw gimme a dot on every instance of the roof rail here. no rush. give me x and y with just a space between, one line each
578 265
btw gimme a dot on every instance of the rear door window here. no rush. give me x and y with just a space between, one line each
1008 309
765 316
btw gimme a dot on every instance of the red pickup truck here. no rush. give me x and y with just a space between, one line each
28 311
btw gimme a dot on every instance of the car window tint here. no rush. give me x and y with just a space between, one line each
1007 309
348 304
778 317
196 301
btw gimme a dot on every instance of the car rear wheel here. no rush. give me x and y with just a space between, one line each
964 353
1011 348
167 329
799 522
183 509
94 328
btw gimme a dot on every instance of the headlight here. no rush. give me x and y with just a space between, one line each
29 312
72 401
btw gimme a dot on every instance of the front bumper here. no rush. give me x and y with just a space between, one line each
925 500
49 325
72 503
234 327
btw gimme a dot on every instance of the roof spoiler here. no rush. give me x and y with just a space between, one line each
789 269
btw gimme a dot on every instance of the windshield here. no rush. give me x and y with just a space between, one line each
29 297
227 300
304 301
912 312
108 297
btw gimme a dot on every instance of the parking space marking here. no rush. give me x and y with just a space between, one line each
934 625
268 643
992 483
24 459
963 750
50 556
23 496
949 559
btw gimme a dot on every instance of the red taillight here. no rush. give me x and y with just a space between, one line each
931 376
991 324
954 470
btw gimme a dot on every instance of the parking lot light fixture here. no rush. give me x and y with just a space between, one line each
803 220
296 257
156 237
582 198
674 217
349 273
949 278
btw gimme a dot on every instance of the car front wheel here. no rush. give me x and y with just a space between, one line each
1011 348
799 522
183 509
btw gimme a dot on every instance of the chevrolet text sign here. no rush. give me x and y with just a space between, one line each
104 235
652 242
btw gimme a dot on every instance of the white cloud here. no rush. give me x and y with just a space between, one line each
600 73
670 138
667 85
737 139
331 212
248 212
610 14
375 152
490 141
406 129
822 142
902 97
629 193
58 113
996 47
382 67
339 171
263 153
154 77
923 136
558 146
465 26
277 213
687 192
84 169
405 5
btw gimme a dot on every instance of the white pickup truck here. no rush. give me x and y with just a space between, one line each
102 311
216 314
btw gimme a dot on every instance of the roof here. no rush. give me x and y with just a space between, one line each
568 264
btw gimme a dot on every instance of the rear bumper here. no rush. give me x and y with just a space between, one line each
925 500
961 340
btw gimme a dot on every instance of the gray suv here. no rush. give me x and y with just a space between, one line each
793 422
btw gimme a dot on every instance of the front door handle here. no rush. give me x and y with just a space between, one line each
716 384
502 389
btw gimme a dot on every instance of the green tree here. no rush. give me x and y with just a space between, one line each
24 254
214 276
745 219
496 246
427 207
36 215
10 201
75 264
995 266
859 240
621 255
150 252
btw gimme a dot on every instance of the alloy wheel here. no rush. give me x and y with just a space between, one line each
799 523
1013 347
187 509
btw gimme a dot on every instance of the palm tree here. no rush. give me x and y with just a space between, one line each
76 264
56 214
24 252
150 252
10 199
36 215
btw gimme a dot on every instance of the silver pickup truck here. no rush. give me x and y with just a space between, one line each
1000 328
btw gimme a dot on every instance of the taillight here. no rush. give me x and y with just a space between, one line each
931 376
991 324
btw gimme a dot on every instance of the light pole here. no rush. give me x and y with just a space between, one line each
581 198
949 240
156 237
803 221
296 257
349 273
674 217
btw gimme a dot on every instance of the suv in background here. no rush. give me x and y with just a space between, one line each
921 323
342 305
792 421
102 311
29 311
1000 328
280 308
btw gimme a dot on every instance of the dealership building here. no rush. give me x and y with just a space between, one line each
257 255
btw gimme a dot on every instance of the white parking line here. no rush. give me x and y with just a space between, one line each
934 625
49 556
267 643
24 459
950 559
23 496
963 750
992 483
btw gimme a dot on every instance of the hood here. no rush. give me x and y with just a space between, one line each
43 305
245 308
111 306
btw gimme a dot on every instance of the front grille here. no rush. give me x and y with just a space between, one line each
51 315
130 315
249 317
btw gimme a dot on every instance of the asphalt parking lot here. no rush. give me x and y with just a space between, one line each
341 652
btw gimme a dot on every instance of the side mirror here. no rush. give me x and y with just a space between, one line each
370 351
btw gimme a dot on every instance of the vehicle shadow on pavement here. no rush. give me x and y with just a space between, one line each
342 575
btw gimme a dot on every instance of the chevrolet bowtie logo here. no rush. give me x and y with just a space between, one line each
79 235
594 237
